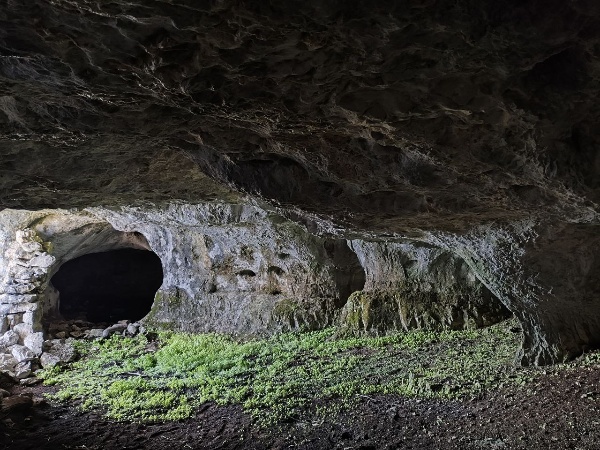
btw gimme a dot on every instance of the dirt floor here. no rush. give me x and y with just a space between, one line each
557 411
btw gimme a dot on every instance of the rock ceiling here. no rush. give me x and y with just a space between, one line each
428 114
388 117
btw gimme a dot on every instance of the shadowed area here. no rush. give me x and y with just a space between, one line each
349 274
109 286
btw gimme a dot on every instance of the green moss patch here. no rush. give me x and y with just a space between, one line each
285 310
284 376
410 307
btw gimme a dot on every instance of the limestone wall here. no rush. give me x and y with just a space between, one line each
416 285
237 269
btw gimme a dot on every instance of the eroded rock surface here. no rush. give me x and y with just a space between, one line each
238 269
466 126
417 286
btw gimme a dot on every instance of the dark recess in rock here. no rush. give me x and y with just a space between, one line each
247 273
349 275
108 286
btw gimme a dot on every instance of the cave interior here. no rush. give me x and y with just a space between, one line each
109 286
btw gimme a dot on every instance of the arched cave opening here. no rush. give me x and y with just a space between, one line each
108 286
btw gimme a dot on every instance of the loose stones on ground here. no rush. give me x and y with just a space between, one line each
19 362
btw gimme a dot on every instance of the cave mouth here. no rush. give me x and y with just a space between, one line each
108 286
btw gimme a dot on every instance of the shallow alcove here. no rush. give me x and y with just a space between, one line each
349 275
108 286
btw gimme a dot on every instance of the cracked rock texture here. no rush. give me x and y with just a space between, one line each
465 127
227 268
414 285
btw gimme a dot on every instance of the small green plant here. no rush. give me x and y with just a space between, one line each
280 377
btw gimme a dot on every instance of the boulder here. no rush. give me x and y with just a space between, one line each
35 342
94 333
48 360
22 329
42 260
57 352
21 353
132 329
8 339
16 403
23 370
6 381
116 328
7 362
30 381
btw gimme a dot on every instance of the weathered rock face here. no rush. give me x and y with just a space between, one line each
414 285
237 269
228 268
466 126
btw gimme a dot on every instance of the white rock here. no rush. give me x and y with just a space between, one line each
9 338
21 353
132 329
44 260
27 240
22 370
7 362
48 360
23 288
31 247
57 352
35 342
22 329
18 303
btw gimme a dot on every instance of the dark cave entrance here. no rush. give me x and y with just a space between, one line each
108 286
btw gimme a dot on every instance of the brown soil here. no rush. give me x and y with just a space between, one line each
557 411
